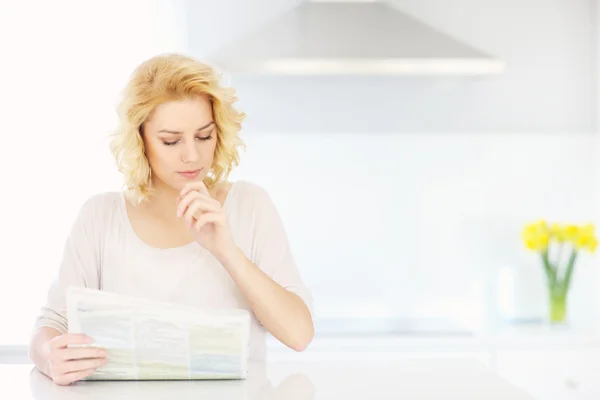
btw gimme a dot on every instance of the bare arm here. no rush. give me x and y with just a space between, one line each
39 350
283 313
267 277
51 355
48 346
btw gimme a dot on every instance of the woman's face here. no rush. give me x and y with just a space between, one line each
180 139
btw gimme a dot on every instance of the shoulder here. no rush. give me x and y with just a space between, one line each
96 215
100 206
254 206
249 194
101 200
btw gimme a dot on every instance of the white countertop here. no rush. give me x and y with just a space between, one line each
516 338
463 379
524 337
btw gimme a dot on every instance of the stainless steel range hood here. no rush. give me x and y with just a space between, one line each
352 38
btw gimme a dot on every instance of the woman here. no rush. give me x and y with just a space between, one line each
180 232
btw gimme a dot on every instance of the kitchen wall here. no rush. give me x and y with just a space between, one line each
406 196
66 64
401 224
547 88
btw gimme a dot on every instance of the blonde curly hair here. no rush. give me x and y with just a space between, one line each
164 78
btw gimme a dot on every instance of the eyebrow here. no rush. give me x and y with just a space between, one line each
180 132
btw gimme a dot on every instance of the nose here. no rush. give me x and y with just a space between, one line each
190 152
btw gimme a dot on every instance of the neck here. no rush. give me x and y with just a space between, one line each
163 202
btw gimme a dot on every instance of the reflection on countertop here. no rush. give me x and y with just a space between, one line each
256 386
430 378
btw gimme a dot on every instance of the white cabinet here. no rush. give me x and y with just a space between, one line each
547 366
351 355
382 348
552 374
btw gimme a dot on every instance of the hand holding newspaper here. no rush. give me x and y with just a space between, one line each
151 340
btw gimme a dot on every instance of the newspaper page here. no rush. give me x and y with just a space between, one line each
151 340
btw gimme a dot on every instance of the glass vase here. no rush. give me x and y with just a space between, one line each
558 306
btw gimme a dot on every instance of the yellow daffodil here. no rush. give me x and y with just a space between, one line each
536 236
585 238
558 232
592 245
570 231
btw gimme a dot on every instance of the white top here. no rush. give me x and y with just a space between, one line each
322 379
103 252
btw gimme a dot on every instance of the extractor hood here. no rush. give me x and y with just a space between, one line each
352 38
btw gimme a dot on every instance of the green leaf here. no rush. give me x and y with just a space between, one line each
569 273
550 271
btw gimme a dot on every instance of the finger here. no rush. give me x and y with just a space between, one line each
63 341
80 365
185 202
80 353
193 196
199 186
188 189
77 376
204 219
200 204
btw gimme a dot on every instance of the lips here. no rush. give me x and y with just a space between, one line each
190 174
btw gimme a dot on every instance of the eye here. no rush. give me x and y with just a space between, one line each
200 138
203 139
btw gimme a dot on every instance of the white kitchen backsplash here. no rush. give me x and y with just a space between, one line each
417 225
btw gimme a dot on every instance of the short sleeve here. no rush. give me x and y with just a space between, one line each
271 250
79 267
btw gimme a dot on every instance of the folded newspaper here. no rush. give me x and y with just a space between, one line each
151 340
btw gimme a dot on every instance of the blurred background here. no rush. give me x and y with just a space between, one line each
406 143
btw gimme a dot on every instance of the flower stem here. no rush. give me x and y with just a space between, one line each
550 271
570 267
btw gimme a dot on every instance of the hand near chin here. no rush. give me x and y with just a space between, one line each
205 218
